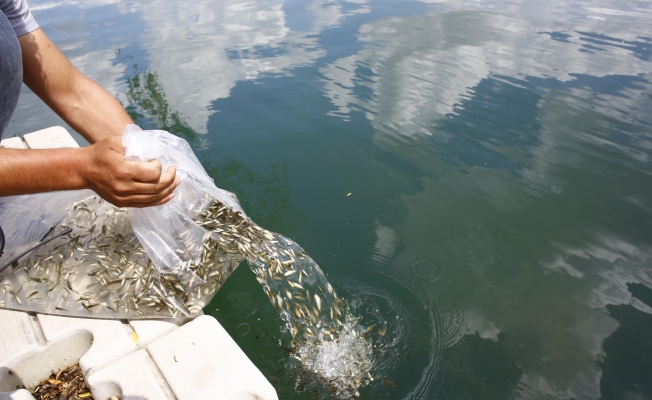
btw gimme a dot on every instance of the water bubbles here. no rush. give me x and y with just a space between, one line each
343 364
426 270
556 189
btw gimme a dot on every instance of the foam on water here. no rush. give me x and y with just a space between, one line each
344 364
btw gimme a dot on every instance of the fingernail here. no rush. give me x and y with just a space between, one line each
177 182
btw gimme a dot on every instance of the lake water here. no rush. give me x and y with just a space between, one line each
473 177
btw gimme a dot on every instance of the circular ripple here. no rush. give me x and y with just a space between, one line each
476 257
473 258
243 329
426 270
536 189
398 308
556 189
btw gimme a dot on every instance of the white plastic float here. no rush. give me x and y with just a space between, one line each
184 359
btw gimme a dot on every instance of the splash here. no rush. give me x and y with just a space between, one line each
329 345
342 365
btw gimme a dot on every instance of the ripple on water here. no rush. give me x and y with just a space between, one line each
426 270
402 335
534 189
473 258
243 329
556 189
425 328
476 257
417 357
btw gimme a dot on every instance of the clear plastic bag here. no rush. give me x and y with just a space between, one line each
121 263
168 232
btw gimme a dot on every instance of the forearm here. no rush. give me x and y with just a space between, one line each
33 171
89 109
83 104
100 167
95 114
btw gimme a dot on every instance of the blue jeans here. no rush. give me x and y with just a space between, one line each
11 72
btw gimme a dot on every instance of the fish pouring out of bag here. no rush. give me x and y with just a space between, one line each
157 262
160 262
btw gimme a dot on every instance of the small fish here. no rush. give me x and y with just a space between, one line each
318 302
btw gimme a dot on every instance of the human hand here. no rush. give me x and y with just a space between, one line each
126 183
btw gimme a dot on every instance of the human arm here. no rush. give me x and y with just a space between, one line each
100 167
94 113
82 103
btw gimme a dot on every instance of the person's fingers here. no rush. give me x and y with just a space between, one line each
157 202
165 182
128 183
144 193
168 177
146 171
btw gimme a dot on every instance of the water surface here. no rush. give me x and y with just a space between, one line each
473 177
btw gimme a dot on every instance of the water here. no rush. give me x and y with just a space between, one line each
498 159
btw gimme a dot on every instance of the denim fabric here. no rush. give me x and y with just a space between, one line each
11 71
15 20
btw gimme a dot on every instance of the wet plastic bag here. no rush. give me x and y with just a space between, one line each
121 263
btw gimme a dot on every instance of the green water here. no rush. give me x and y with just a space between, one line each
473 176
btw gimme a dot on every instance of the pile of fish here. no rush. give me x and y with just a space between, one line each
101 270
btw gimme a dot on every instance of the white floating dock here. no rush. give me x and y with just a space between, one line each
184 359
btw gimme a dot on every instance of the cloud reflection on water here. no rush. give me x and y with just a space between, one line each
199 50
218 43
415 74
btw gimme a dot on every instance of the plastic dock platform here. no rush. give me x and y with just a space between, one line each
184 359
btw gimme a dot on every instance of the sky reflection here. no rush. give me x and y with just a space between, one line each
416 76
